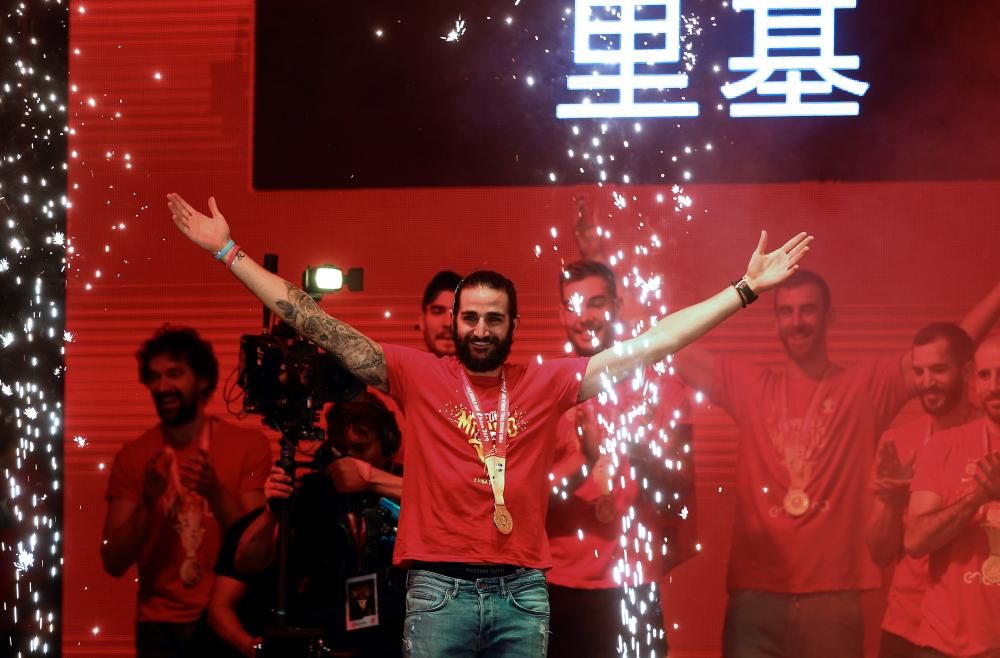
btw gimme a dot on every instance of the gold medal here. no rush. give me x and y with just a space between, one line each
502 519
991 567
796 502
604 509
991 570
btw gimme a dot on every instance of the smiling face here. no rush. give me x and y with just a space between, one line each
177 392
803 318
588 315
483 329
987 378
435 322
940 379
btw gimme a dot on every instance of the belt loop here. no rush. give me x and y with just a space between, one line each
456 584
503 586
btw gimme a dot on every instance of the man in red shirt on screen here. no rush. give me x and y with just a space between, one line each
472 526
942 364
590 570
435 313
955 521
809 429
176 489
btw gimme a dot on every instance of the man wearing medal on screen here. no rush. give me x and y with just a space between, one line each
942 364
587 503
472 528
809 429
955 520
174 491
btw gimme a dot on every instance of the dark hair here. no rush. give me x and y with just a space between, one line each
365 412
181 344
584 269
802 278
443 281
493 281
959 343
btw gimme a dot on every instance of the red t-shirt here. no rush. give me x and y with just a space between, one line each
843 416
590 562
960 610
242 461
447 508
903 615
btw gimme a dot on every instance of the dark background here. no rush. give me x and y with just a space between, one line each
337 107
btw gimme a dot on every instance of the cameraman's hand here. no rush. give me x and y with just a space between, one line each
349 474
278 485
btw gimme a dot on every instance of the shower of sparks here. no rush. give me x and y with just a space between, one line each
33 119
456 32
25 559
643 447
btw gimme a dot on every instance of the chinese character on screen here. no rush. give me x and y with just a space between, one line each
793 56
634 51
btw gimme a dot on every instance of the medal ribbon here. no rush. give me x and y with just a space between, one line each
494 452
188 510
359 533
797 463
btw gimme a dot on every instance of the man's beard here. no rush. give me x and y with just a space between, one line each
801 351
951 397
433 343
185 412
988 408
492 360
588 348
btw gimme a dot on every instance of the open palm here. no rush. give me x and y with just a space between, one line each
768 270
209 233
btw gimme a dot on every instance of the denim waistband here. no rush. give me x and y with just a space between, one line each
524 577
468 570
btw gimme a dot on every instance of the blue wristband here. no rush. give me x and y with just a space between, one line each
221 253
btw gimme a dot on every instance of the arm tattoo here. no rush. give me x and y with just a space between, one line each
359 354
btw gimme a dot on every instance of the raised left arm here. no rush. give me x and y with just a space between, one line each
766 271
981 317
977 323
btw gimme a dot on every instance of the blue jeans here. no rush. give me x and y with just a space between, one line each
506 616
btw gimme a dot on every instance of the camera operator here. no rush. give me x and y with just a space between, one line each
342 540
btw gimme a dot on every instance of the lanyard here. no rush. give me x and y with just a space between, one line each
188 509
494 451
805 448
204 441
490 447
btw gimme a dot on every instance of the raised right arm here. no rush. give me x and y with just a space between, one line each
359 354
